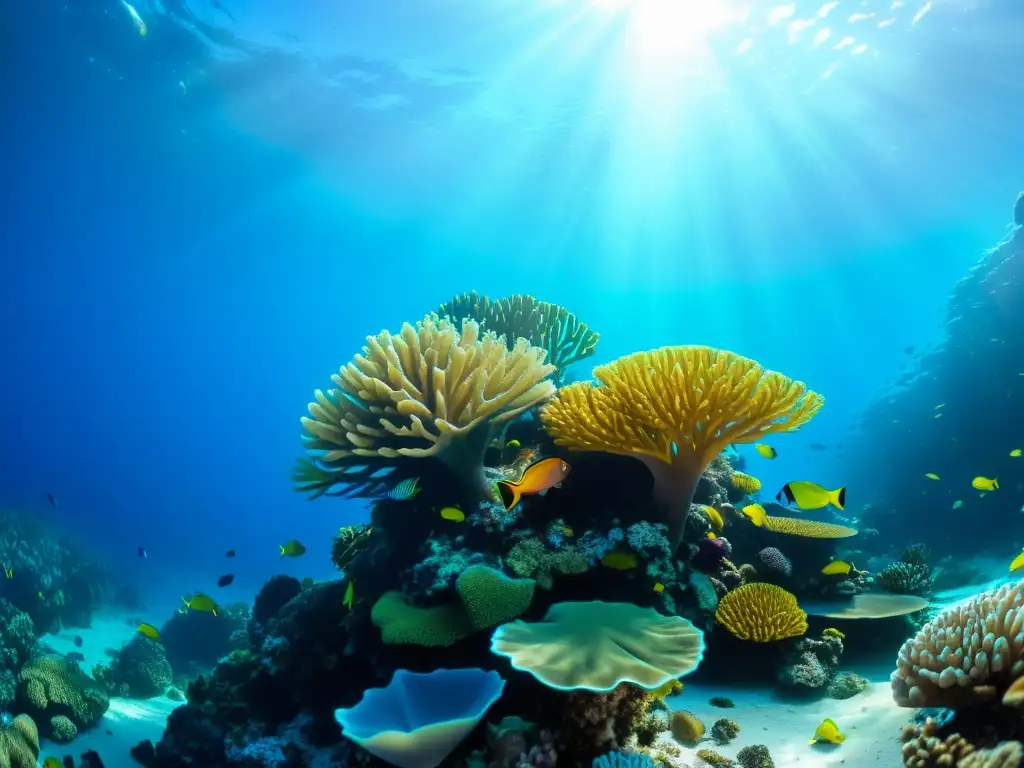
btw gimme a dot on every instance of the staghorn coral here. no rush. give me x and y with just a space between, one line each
429 391
1009 754
971 652
762 613
924 748
19 743
532 558
724 731
773 561
755 756
903 578
49 686
552 327
675 409
635 645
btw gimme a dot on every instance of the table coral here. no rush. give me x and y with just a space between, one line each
430 391
676 409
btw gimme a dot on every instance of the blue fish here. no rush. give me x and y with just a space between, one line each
405 490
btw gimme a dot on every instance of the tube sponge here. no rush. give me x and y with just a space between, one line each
418 719
675 409
430 390
969 653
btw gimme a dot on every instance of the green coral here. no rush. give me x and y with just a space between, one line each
724 731
49 686
17 645
491 598
402 624
19 743
846 685
755 756
62 729
714 759
531 558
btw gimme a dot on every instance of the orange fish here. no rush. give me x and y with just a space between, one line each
546 473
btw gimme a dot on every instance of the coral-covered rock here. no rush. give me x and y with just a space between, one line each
17 645
139 671
195 640
49 686
810 664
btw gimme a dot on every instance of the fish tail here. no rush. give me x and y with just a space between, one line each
812 741
838 498
995 483
282 552
184 601
510 494
214 611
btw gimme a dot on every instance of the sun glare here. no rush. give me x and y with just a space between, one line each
662 28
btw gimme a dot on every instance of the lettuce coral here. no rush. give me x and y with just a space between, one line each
595 646
429 391
675 409
418 719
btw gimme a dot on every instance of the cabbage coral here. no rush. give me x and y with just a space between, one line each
970 652
762 613
675 409
428 391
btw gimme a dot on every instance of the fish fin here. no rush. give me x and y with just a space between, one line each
510 494
995 483
812 741
832 722
839 498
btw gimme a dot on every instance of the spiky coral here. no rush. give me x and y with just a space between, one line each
431 390
762 613
675 409
549 326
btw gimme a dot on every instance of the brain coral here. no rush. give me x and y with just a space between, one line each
595 646
970 652
19 743
49 686
762 613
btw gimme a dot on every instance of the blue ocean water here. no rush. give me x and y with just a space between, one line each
204 222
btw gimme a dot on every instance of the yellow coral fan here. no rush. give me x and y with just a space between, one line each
686 727
741 481
675 409
429 391
762 613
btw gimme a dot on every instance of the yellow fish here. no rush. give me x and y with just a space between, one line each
620 561
201 602
148 630
1015 453
715 518
292 548
828 732
811 495
836 567
985 484
1018 562
350 594
932 476
659 587
766 451
756 514
512 444
453 514
52 762
710 535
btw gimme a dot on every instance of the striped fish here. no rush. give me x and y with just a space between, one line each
405 490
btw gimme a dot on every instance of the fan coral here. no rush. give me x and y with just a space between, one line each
675 409
773 560
906 579
48 686
970 652
724 731
744 482
19 743
429 391
762 613
418 719
634 644
549 326
755 756
686 727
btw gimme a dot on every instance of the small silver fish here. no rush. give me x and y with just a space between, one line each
405 490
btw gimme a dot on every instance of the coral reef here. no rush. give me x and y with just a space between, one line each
139 671
194 641
811 664
774 562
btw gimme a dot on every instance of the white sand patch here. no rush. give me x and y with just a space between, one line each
870 720
128 721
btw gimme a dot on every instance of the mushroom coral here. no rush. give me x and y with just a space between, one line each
595 646
418 719
430 390
549 326
675 409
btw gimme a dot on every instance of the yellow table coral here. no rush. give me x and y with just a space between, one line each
675 409
431 390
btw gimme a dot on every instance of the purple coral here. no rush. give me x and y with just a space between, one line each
710 553
773 560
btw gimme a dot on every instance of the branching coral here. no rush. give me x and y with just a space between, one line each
762 613
431 390
970 652
675 409
552 327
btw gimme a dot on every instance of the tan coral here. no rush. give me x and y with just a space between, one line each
969 653
675 409
430 390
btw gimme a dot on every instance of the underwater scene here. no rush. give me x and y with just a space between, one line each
512 384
